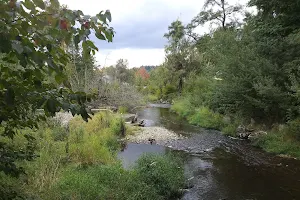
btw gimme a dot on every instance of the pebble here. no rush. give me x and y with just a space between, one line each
159 134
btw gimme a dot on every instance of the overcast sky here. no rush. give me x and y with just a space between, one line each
139 25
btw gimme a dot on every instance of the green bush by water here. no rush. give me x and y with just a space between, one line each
281 140
183 107
164 173
206 118
83 165
154 177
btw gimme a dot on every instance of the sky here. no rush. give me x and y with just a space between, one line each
139 26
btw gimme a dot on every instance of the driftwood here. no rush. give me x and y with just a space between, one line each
134 120
141 123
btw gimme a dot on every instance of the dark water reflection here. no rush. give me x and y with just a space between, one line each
221 168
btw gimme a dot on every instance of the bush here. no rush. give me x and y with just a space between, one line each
59 133
154 177
152 97
230 129
103 182
117 126
293 129
95 142
164 173
122 109
206 118
10 188
183 107
279 142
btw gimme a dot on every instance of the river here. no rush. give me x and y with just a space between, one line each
218 167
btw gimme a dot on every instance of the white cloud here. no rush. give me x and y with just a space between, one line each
135 57
139 26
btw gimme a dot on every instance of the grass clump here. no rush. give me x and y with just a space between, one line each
83 165
163 173
122 109
103 182
280 141
206 118
95 142
183 108
229 129
154 177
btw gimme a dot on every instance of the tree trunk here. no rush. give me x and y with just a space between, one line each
224 15
180 85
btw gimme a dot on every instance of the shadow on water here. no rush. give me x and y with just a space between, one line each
217 167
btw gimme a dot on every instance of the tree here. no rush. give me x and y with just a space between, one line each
276 31
142 72
33 38
120 72
81 71
218 12
181 54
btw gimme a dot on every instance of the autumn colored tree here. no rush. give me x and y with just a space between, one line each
142 72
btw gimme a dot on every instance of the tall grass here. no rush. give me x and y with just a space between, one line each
82 164
154 177
164 173
83 144
281 140
183 108
206 118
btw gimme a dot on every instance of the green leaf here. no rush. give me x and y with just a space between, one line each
29 5
91 44
16 45
108 15
108 35
59 78
51 106
100 36
39 3
10 96
54 3
76 40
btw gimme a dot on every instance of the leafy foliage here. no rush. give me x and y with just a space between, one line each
246 71
34 35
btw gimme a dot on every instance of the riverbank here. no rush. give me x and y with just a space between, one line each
156 135
78 160
280 140
217 167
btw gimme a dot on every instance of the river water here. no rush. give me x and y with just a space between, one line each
218 167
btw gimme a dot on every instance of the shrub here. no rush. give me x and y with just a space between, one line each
95 142
206 118
293 129
10 187
103 182
117 126
152 97
230 129
279 142
122 109
164 173
59 133
183 107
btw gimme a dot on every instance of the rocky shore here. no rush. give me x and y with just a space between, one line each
158 135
